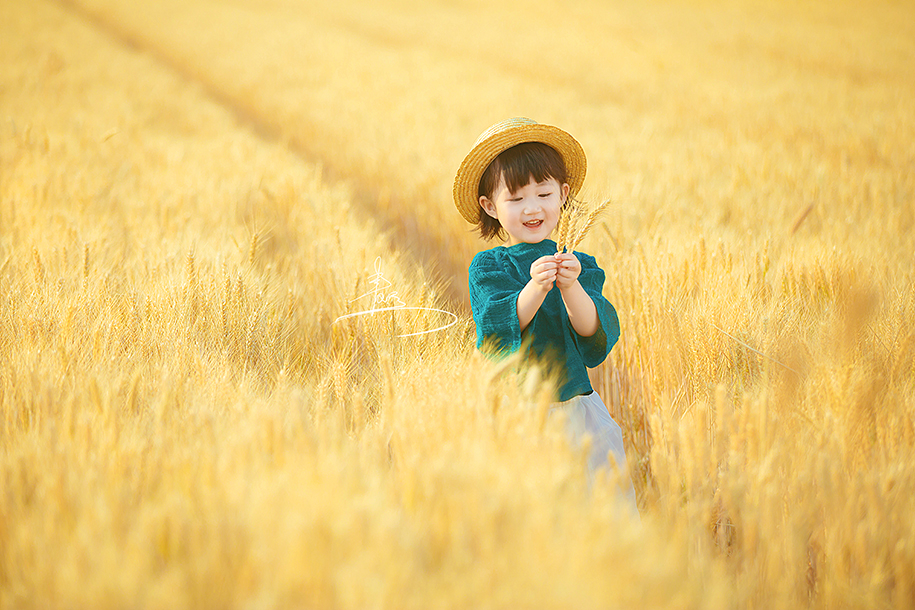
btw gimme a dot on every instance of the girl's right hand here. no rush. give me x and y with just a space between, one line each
543 272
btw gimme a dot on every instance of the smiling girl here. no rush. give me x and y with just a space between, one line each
513 184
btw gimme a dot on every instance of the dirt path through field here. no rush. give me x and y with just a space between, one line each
428 250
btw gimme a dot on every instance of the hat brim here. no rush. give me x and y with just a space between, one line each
503 136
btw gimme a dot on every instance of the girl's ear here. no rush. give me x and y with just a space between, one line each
565 188
488 206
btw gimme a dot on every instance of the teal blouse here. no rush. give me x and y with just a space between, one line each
497 277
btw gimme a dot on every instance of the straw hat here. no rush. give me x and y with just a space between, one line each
502 136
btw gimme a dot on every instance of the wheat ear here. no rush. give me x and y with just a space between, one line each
575 213
563 227
592 220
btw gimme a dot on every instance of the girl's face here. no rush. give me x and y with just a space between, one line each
529 214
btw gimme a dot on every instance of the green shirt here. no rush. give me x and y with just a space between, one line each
497 277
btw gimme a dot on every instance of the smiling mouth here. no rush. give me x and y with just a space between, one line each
533 224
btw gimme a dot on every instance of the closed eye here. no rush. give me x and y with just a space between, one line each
546 194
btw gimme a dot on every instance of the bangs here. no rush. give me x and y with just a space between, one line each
519 164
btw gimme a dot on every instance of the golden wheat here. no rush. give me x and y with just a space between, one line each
184 426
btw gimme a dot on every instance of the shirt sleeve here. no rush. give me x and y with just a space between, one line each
494 302
594 349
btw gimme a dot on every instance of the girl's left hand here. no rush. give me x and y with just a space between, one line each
569 269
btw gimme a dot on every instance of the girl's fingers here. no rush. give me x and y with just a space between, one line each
546 276
568 274
546 268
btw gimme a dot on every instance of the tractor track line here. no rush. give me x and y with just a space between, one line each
422 246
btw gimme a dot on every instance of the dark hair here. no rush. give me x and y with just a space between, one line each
516 166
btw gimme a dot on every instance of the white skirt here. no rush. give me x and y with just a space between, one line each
587 414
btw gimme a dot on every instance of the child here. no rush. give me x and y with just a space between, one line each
513 184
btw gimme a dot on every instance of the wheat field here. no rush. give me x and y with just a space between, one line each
192 192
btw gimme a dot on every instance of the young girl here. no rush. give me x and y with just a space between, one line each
513 184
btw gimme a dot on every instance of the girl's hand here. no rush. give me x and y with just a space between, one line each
543 272
568 270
